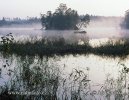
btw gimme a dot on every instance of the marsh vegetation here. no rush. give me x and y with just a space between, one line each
48 79
59 46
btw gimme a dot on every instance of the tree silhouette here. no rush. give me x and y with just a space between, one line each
126 19
63 18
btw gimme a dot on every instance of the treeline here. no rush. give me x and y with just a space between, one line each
64 18
15 21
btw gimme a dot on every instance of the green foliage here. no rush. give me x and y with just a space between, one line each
63 18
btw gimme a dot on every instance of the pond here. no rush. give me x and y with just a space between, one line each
67 77
94 76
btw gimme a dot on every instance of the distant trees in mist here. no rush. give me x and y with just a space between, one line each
126 20
64 18
19 21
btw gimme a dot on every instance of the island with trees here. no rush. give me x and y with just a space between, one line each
64 19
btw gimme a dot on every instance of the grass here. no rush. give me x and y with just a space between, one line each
44 47
42 77
59 46
113 48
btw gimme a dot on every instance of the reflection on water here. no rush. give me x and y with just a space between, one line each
64 77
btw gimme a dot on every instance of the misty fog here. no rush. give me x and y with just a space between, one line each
99 29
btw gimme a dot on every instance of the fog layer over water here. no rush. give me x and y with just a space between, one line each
97 29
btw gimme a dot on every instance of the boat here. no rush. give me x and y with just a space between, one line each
82 32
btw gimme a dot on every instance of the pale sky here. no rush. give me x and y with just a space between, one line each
24 8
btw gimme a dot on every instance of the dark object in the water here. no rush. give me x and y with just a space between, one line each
83 32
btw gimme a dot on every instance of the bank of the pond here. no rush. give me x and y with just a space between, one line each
60 47
118 48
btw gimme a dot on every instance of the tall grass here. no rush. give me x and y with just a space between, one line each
117 88
41 76
113 48
60 46
45 79
44 47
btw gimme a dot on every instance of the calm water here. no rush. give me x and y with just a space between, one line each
27 72
101 73
92 32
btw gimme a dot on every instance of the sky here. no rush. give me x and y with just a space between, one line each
24 8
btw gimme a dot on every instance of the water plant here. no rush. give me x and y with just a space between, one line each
117 89
6 41
34 78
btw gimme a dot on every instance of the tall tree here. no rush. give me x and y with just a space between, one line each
126 19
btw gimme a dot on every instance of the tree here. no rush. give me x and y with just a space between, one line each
84 21
3 22
126 19
63 18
